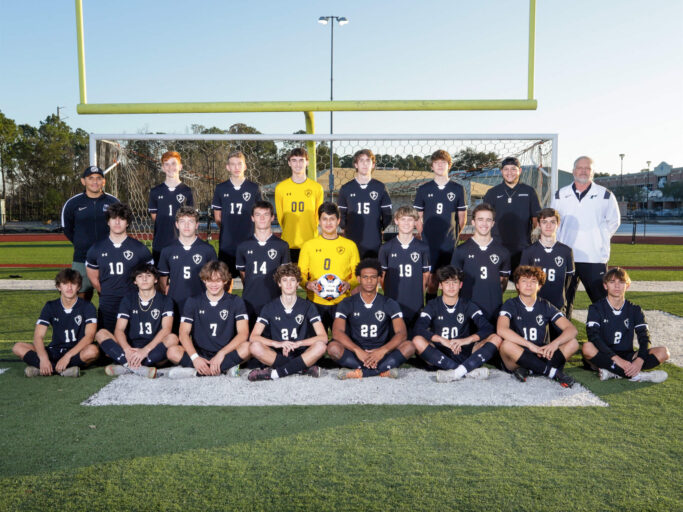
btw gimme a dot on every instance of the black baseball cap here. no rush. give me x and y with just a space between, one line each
93 170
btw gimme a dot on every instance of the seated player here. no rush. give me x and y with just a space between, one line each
361 332
610 326
73 321
143 328
453 334
523 325
213 329
405 266
289 336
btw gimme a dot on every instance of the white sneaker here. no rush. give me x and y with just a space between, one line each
73 371
148 372
446 376
31 371
655 376
606 374
180 372
115 369
233 372
478 373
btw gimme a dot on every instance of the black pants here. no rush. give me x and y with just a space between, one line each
590 275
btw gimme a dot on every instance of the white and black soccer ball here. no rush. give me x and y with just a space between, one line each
329 287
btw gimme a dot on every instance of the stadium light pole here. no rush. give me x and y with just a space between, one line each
324 20
621 179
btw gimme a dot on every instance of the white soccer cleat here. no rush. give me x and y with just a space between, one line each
233 372
74 371
148 372
655 376
181 372
115 369
31 371
606 374
446 376
478 373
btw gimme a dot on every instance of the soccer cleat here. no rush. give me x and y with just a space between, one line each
565 380
313 371
74 371
390 374
149 372
655 376
347 373
478 373
521 374
115 369
31 371
606 374
259 374
446 376
180 372
233 372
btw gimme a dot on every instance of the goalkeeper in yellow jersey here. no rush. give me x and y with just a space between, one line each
297 200
328 254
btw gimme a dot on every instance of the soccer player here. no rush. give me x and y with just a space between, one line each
84 221
365 206
110 261
328 254
610 327
517 208
257 259
164 201
297 200
232 204
485 262
453 334
288 336
523 325
143 328
405 266
213 329
73 321
443 212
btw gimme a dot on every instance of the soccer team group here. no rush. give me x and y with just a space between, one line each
175 305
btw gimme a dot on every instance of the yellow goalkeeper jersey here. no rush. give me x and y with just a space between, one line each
321 256
297 210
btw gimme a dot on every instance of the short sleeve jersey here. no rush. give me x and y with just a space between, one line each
452 322
181 264
403 266
297 210
616 327
164 202
258 261
321 256
235 205
557 262
68 325
515 208
294 324
365 211
531 323
369 325
144 318
438 205
214 324
84 221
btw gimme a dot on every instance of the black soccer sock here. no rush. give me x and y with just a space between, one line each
76 361
532 362
558 360
435 357
114 351
156 355
602 360
231 359
393 359
280 361
293 366
31 358
430 296
349 360
186 361
478 358
650 362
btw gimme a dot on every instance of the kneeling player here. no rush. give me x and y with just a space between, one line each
290 347
610 327
444 337
523 325
73 321
361 329
213 329
143 328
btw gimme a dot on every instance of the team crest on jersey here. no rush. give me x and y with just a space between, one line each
539 319
450 196
626 322
272 253
223 314
180 198
299 319
197 258
340 249
414 256
308 192
559 261
78 319
379 315
128 255
374 195
460 318
246 196
155 314
494 259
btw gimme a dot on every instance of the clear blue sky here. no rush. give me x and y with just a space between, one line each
609 73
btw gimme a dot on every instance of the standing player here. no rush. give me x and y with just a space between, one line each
517 208
362 326
405 266
213 329
110 261
232 204
365 206
443 212
84 221
73 321
288 336
328 254
523 325
257 259
611 323
164 201
143 328
486 264
297 200
453 334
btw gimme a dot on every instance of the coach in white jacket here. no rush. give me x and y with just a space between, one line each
590 216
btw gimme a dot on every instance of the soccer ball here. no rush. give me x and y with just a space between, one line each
328 287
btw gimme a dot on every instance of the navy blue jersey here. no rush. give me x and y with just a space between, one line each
557 262
68 325
452 322
258 261
368 325
182 265
235 205
144 318
164 202
403 266
611 330
365 211
114 263
531 323
514 209
84 221
483 267
438 205
214 324
294 324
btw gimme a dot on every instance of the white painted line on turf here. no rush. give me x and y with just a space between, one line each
3 370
